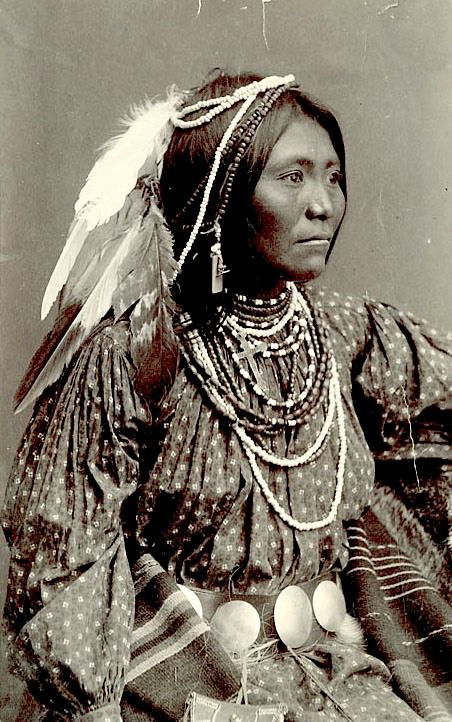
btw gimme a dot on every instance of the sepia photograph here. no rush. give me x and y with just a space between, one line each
226 352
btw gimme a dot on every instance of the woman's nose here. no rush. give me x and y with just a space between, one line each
319 205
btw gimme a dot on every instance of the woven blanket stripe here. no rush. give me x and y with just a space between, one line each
175 626
149 658
398 575
360 557
173 652
144 571
428 615
165 622
168 618
399 578
420 640
404 617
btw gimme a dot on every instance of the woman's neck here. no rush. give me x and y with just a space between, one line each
263 286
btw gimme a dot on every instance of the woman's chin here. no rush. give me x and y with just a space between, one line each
269 280
308 273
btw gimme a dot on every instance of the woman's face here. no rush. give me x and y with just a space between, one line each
297 204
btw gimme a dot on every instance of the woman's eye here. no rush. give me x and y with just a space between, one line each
335 177
294 177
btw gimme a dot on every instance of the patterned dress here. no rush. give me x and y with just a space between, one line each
101 478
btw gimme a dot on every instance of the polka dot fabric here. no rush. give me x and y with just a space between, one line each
90 445
358 682
70 594
208 522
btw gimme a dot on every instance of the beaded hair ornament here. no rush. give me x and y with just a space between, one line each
119 252
247 96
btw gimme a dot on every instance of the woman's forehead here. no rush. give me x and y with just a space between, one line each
304 142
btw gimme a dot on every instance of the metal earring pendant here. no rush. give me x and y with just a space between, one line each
218 267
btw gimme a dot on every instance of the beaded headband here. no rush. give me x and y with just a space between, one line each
219 105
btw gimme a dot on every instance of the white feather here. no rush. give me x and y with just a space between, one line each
350 632
78 233
95 307
112 178
134 264
115 174
100 299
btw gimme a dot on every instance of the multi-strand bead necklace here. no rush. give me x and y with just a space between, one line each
223 362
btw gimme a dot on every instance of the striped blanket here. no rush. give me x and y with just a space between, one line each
172 653
406 622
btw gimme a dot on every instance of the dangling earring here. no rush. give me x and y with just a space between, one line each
218 267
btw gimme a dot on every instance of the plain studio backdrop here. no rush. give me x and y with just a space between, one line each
69 68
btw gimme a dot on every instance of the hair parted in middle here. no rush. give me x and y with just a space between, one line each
186 167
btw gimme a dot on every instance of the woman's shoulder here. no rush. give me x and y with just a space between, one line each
346 317
362 325
111 334
128 349
333 303
100 360
368 312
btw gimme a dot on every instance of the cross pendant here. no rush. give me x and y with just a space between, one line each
248 352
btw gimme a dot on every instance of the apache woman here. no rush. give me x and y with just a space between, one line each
231 497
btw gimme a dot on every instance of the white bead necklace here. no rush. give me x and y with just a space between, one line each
290 463
259 302
208 376
340 473
199 345
225 399
248 337
259 332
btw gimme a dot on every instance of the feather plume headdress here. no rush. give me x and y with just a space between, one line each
118 255
113 177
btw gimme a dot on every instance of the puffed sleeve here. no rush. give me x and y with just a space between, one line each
403 386
70 598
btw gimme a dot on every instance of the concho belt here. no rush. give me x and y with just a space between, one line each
300 615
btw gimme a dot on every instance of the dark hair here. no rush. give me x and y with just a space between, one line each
187 164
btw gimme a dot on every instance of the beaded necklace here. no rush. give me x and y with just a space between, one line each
277 327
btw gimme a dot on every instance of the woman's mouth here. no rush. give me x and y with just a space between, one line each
317 240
